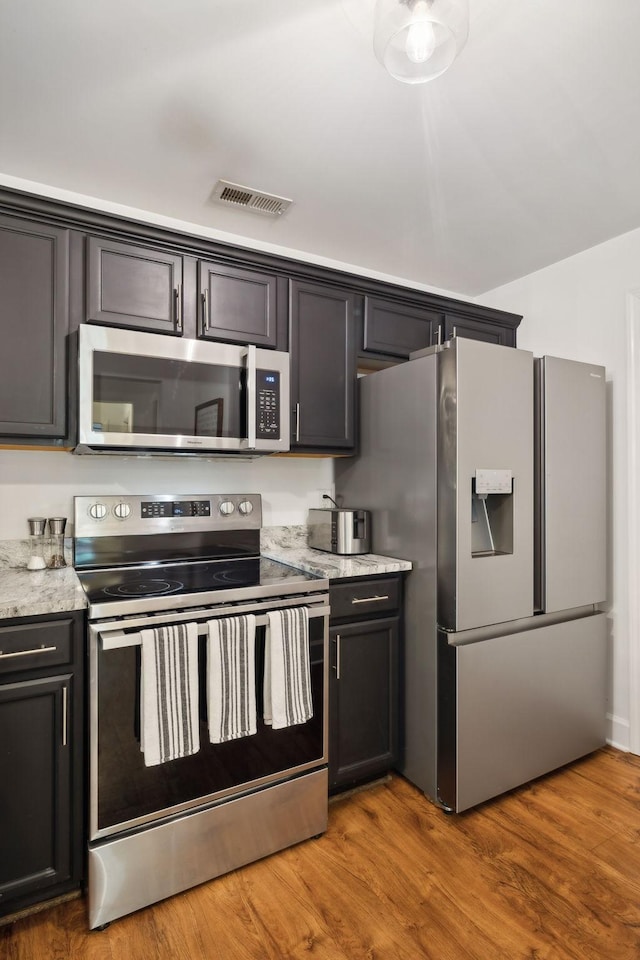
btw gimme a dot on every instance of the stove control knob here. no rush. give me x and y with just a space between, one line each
245 508
122 510
226 508
97 511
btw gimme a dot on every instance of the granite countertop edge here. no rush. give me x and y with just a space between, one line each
27 593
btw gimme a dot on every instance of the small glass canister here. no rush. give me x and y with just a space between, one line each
37 527
56 532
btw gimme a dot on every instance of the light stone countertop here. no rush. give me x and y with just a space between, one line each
30 593
289 545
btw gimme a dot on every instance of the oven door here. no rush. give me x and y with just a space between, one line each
144 391
124 793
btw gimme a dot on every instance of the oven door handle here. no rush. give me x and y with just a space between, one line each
117 639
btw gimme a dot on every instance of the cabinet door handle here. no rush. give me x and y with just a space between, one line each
297 423
337 664
375 599
65 708
177 294
206 317
26 653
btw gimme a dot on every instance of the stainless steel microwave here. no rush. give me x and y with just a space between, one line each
151 394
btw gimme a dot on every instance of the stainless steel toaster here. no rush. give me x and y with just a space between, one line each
339 530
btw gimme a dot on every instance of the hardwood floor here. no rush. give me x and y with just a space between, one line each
550 871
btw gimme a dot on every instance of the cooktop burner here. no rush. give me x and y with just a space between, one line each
143 588
182 579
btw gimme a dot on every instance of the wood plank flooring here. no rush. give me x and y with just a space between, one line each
550 871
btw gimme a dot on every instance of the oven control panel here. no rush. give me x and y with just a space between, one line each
175 508
163 513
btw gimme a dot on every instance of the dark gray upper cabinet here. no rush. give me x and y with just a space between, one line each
237 304
476 328
34 280
394 329
130 286
390 329
323 370
146 277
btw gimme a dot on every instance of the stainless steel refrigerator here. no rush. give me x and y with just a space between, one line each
487 469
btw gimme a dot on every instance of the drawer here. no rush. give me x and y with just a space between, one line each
31 646
364 598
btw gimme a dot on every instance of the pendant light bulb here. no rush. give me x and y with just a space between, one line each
417 40
421 41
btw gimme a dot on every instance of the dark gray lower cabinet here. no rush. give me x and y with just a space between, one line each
364 679
34 301
41 759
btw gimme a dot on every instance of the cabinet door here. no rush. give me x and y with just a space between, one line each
136 287
35 789
363 700
323 366
455 325
34 285
395 329
236 304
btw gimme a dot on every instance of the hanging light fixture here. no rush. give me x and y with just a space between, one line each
417 40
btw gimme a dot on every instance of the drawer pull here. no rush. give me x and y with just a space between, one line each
368 599
26 653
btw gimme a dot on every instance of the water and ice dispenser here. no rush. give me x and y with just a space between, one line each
491 513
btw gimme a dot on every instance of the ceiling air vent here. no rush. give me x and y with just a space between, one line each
253 200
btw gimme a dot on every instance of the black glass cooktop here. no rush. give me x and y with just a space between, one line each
175 579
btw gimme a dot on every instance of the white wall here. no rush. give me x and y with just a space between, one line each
43 483
578 308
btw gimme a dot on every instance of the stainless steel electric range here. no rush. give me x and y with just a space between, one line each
147 562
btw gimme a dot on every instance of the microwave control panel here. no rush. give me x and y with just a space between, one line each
267 404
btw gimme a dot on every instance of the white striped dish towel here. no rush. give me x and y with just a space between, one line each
169 725
231 678
287 672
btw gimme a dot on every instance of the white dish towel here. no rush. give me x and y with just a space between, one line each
169 693
231 678
287 672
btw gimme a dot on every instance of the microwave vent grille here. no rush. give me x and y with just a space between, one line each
255 201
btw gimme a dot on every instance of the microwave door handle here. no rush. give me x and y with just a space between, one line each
250 358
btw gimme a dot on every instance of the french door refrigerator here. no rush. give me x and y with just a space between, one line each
487 469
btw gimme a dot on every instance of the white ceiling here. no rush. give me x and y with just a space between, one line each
525 152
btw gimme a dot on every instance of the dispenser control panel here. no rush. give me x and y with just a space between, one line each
494 481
